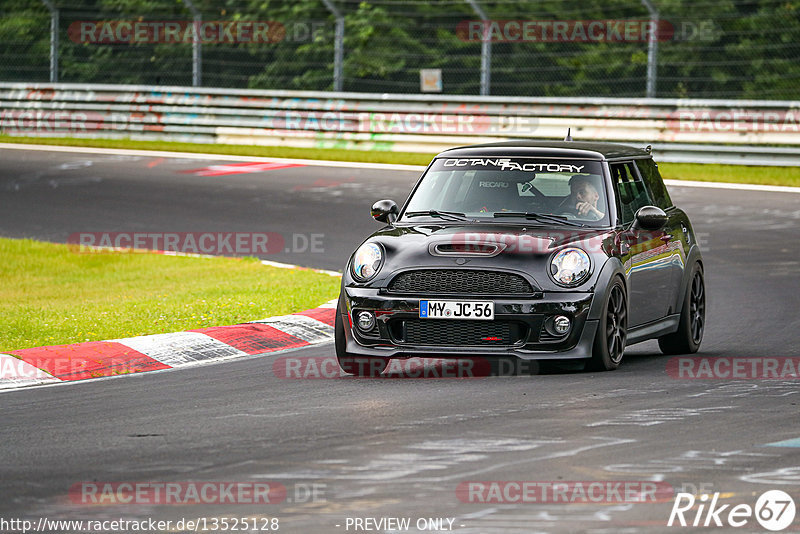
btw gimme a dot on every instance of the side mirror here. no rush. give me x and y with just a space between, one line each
384 211
650 218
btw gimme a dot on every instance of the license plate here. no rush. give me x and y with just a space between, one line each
450 309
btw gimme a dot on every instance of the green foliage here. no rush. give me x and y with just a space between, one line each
723 49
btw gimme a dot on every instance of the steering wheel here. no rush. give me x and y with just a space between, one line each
568 214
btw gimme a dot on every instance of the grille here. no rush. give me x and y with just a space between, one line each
455 332
460 281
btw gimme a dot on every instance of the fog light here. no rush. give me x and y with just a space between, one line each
366 321
561 324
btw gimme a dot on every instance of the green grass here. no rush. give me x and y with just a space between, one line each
334 154
738 174
52 296
677 171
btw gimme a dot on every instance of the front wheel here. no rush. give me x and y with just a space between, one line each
612 330
686 340
350 363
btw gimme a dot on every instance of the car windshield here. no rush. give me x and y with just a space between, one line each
546 191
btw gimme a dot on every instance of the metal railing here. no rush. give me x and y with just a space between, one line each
702 131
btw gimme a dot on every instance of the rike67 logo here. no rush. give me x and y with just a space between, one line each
774 510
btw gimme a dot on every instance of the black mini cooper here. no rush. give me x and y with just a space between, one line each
552 250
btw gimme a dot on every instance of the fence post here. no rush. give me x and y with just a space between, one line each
652 49
486 49
53 40
338 45
197 51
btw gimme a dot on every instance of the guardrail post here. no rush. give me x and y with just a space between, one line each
652 49
197 51
486 49
338 45
53 40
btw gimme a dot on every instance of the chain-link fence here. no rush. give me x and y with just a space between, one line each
626 48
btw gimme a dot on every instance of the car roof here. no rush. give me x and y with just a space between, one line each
549 149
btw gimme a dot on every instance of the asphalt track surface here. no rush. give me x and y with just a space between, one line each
399 447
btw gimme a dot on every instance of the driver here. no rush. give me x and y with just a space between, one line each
583 198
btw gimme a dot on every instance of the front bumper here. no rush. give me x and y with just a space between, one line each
521 319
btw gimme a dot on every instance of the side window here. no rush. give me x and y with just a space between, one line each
632 191
652 178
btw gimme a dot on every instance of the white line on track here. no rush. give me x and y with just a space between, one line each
726 185
292 266
341 164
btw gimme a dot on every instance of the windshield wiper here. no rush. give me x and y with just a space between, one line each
539 217
447 215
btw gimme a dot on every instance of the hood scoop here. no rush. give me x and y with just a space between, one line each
449 248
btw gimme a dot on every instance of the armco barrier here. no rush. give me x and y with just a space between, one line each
702 131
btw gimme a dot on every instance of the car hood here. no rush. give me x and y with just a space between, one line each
519 248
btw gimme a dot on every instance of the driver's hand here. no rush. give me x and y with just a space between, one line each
583 208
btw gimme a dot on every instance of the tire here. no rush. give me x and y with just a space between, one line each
353 364
687 339
612 330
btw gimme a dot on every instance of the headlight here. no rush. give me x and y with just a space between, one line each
570 267
367 262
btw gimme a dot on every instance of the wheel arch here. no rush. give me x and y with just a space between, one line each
692 258
611 268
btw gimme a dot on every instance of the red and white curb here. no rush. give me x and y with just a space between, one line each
100 359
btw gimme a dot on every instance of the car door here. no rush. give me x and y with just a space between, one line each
643 252
675 235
